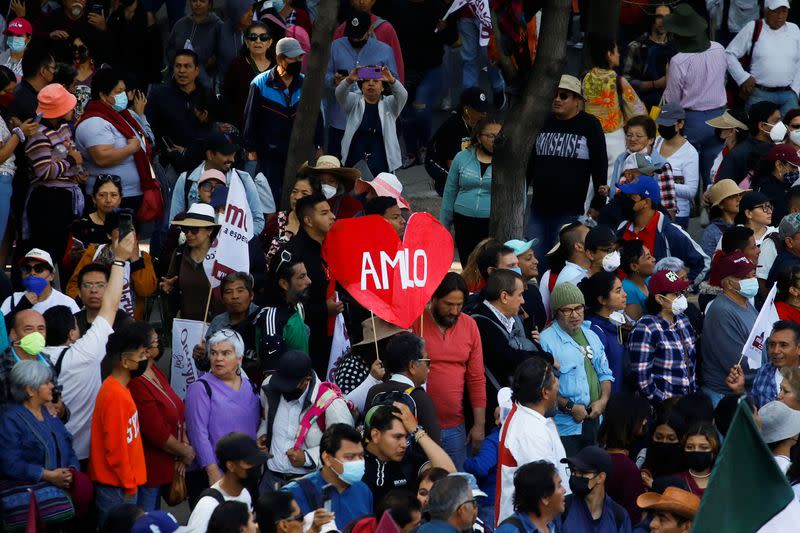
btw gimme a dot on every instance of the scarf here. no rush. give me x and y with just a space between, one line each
129 127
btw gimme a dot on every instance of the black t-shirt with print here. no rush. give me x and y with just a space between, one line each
381 477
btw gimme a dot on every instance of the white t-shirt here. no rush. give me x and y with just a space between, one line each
685 163
97 131
198 521
55 298
80 377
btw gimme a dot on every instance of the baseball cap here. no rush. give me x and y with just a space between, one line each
473 484
37 254
665 282
570 83
670 114
289 47
642 163
238 446
160 521
778 422
599 237
645 186
222 143
19 26
476 98
292 367
789 225
520 247
724 189
357 24
752 199
775 4
212 174
590 459
734 264
783 152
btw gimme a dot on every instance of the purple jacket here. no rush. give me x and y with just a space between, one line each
213 410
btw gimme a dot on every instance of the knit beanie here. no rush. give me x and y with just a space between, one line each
565 294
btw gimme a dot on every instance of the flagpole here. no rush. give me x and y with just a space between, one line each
208 304
375 335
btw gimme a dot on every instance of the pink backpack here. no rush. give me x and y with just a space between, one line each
327 394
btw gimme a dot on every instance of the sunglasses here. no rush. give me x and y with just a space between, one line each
563 95
190 230
39 268
263 37
103 178
208 186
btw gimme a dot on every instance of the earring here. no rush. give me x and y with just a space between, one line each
238 371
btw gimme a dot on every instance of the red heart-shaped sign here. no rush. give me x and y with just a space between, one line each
393 279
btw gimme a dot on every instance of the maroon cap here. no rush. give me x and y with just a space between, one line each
666 281
783 152
734 265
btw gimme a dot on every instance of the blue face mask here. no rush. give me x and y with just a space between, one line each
352 471
121 101
35 284
278 5
16 44
518 270
748 287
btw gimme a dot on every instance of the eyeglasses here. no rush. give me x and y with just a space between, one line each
571 311
767 208
102 178
490 136
632 137
39 268
263 37
426 361
473 501
190 230
209 186
563 95
298 518
548 367
91 286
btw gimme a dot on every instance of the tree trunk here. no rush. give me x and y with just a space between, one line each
305 122
512 150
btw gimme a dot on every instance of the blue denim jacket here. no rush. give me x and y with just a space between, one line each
574 384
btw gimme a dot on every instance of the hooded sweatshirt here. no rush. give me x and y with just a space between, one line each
203 37
231 38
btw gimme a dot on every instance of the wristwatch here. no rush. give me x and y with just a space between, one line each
119 263
567 409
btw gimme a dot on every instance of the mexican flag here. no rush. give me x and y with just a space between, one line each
747 491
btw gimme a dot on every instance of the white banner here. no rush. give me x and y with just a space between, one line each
753 349
229 252
185 335
481 10
340 345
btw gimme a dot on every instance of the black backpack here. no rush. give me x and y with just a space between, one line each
619 515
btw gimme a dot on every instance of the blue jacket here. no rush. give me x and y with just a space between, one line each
466 191
615 350
507 527
578 518
574 384
28 446
484 465
673 241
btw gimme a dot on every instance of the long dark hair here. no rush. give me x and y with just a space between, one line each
622 420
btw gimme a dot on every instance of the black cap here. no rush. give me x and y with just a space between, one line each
293 366
599 237
751 199
240 447
476 98
357 24
590 459
222 143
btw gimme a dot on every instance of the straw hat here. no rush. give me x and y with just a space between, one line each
727 121
198 216
674 500
383 328
328 164
724 189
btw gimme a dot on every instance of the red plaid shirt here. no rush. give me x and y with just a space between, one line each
666 183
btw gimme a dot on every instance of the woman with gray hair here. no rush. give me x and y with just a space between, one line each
673 264
35 445
220 402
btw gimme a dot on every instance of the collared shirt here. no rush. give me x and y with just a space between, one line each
400 378
284 433
775 55
765 384
696 81
663 356
507 322
647 234
571 273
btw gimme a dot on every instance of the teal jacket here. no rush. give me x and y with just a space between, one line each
466 192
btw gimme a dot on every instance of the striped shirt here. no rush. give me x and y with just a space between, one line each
47 150
697 81
663 356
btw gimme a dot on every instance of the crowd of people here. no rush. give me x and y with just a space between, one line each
581 376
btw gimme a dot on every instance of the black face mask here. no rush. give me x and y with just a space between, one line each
664 458
356 44
253 475
626 205
292 396
580 486
668 132
293 69
698 461
139 370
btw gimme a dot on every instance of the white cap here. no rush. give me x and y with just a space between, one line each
775 4
39 255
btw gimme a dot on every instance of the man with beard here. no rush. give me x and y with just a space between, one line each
453 343
280 324
529 432
76 20
643 221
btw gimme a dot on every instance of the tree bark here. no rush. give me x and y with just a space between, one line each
305 122
512 149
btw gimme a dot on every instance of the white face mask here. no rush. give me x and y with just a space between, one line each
329 191
617 318
611 261
794 136
778 132
679 305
